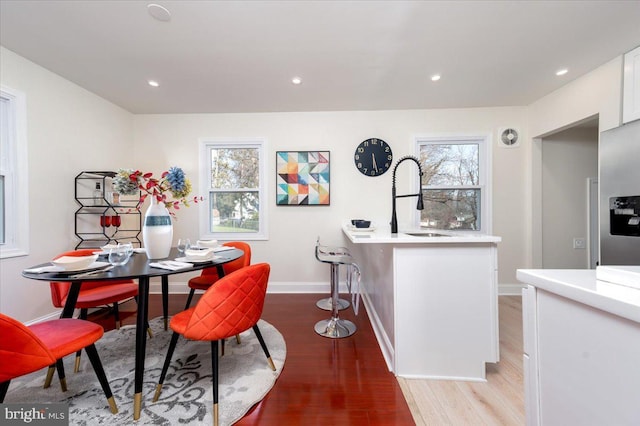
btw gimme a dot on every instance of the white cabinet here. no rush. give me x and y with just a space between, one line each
631 86
581 364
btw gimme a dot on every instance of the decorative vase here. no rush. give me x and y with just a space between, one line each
157 231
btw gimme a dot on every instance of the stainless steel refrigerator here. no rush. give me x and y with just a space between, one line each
619 164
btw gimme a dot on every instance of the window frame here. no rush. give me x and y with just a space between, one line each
14 168
206 144
484 176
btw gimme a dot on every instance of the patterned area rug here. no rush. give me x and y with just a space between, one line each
187 396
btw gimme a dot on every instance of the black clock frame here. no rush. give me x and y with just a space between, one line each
373 157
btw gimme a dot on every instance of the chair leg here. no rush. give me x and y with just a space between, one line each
82 316
214 369
92 353
191 293
264 347
61 376
165 367
116 314
4 386
49 378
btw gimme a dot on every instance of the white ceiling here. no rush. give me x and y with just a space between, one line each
240 56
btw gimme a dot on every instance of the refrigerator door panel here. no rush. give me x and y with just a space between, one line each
619 163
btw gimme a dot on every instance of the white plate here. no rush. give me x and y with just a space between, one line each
184 259
94 265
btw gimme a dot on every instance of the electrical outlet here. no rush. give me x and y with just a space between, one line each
579 243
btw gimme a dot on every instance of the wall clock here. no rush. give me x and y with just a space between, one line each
373 157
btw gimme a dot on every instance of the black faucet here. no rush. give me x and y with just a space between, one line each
420 206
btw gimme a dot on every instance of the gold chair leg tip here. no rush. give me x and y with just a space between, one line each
157 394
76 366
271 364
150 332
215 414
137 405
112 405
63 385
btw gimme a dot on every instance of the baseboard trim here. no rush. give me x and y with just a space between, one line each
510 289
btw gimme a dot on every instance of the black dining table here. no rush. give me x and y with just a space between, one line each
138 267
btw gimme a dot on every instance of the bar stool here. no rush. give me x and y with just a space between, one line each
325 304
334 327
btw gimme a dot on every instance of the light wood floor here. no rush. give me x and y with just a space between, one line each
499 401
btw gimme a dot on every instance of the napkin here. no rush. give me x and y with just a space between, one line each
171 265
43 269
222 248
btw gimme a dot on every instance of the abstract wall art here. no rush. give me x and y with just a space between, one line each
303 178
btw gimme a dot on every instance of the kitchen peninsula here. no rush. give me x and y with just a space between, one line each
432 298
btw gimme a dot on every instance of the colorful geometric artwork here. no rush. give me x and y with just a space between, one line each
302 178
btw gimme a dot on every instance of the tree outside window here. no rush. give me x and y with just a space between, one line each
452 184
234 185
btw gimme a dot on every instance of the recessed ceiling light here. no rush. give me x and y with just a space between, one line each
563 71
153 83
158 12
435 77
296 80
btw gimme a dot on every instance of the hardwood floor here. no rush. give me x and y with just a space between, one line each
346 381
499 401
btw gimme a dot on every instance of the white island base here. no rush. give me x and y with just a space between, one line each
432 301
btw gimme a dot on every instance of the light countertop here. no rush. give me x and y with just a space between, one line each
582 286
378 235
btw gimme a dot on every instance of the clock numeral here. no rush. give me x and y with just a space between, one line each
359 165
372 173
387 149
360 150
374 141
365 170
386 165
389 157
357 157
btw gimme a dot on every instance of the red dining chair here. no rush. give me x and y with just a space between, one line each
209 276
24 350
226 309
93 294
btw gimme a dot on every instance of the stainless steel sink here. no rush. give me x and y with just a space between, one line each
426 234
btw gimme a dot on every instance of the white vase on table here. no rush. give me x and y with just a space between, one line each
157 231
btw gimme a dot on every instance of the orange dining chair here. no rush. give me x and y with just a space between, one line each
24 350
209 276
93 294
226 309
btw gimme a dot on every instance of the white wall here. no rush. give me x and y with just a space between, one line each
162 141
568 159
598 93
68 130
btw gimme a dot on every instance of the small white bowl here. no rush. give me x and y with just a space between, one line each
198 255
208 243
74 263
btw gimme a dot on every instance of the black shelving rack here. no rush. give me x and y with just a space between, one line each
91 232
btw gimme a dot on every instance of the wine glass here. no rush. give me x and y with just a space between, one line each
118 255
105 221
128 248
116 221
183 245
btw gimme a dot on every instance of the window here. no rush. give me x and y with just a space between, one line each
455 183
233 178
14 194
